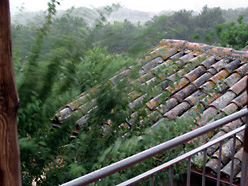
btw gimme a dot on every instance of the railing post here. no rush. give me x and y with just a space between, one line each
152 180
244 173
189 171
171 175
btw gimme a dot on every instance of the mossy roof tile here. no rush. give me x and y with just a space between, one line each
177 110
178 79
241 100
229 109
238 87
169 104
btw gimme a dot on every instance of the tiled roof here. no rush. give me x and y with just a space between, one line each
182 74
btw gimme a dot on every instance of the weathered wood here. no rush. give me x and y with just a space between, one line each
10 173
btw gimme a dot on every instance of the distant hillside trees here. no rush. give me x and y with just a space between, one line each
231 15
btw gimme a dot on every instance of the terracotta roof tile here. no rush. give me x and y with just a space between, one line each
195 97
184 59
186 91
177 56
232 79
239 154
158 70
221 87
233 65
221 50
202 79
170 42
156 101
212 71
207 100
136 102
152 64
164 84
238 176
177 111
218 116
240 136
194 74
163 52
213 148
240 54
64 113
227 150
199 58
169 53
209 61
131 120
239 86
236 168
232 125
73 105
229 109
206 87
169 104
150 81
207 115
241 100
175 76
114 80
177 85
220 64
180 79
195 45
87 106
192 111
237 164
223 100
219 76
145 77
213 165
243 69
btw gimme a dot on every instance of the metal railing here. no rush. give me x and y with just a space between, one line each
115 167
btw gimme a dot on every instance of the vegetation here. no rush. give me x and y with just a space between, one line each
233 35
57 58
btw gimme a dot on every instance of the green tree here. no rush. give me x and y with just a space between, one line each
205 23
46 68
232 34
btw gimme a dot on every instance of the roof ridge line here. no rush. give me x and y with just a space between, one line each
184 44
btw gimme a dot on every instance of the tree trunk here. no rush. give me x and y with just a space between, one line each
10 172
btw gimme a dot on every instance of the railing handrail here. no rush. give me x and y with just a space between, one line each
129 161
181 158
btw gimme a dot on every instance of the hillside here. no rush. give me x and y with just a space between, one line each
88 14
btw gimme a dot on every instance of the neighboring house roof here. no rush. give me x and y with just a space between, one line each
199 68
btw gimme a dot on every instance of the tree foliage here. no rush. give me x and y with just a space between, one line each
233 34
63 56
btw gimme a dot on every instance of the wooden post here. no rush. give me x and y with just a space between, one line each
10 172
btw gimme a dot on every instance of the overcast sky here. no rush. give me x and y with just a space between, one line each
143 5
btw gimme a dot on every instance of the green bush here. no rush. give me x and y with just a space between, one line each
233 35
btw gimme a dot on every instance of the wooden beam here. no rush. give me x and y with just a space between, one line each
10 172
